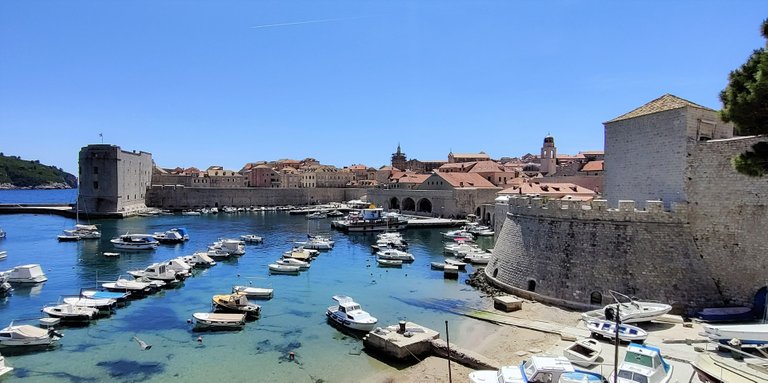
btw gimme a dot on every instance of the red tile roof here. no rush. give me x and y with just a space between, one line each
413 178
661 104
554 190
486 167
593 166
466 180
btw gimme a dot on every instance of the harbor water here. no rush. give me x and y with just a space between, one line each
293 321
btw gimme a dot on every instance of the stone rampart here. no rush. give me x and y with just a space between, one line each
179 197
573 253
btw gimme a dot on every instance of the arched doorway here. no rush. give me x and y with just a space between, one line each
425 206
596 298
759 304
477 211
394 203
487 217
409 204
531 285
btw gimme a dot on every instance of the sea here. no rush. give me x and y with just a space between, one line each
293 321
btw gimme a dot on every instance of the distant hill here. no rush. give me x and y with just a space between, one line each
16 173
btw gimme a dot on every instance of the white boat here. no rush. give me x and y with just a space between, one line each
68 236
389 262
713 368
31 273
236 302
179 266
450 271
349 314
120 297
199 260
135 242
539 369
3 368
3 254
231 246
478 258
156 271
460 249
170 236
2 234
394 254
317 244
101 304
455 262
191 212
136 288
26 335
630 310
67 311
458 235
216 254
583 352
746 333
219 320
251 238
275 268
86 231
293 262
437 265
109 254
5 287
643 364
317 215
369 220
253 292
607 329
335 213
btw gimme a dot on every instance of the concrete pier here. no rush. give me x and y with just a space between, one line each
414 342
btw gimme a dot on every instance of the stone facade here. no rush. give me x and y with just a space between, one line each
443 203
113 181
179 198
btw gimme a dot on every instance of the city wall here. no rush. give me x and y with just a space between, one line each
446 203
179 197
706 253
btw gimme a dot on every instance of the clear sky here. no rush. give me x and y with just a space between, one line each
200 83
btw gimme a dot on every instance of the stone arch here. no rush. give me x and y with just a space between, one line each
477 211
532 285
424 206
394 203
596 298
408 204
487 217
759 303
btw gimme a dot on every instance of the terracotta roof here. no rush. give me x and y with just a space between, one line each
387 168
466 180
458 165
413 178
591 152
593 166
470 155
358 167
549 189
661 104
486 167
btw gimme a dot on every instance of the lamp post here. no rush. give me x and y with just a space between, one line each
617 320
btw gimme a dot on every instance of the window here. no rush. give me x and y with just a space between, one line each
596 298
95 185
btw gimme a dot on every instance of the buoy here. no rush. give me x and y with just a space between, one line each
291 356
200 339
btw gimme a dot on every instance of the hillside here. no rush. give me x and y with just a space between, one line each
18 173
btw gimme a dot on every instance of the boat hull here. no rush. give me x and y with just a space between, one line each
339 319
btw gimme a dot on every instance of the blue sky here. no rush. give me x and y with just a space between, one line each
198 83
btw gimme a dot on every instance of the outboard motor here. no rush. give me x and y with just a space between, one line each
610 314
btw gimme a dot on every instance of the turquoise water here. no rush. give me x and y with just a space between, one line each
293 320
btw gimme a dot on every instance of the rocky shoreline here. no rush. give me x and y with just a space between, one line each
50 186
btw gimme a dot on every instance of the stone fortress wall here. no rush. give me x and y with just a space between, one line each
708 253
179 197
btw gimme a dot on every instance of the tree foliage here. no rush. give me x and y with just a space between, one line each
745 103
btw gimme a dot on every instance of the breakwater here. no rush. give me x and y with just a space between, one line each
176 197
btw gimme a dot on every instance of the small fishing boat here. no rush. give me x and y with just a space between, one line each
253 292
607 329
450 271
26 335
301 254
275 268
455 262
437 265
119 297
643 364
539 369
170 236
69 312
746 333
713 368
630 310
3 368
236 302
293 262
199 260
212 321
349 314
100 304
135 242
478 258
136 288
251 238
317 215
726 314
31 273
317 244
583 352
397 255
3 254
389 262
157 271
230 246
68 236
109 254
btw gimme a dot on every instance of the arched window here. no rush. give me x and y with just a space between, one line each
596 298
531 285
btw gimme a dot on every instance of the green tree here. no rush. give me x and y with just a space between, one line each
745 103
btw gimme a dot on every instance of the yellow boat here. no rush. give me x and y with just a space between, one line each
237 302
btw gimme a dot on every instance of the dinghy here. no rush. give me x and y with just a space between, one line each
389 262
583 352
211 321
253 292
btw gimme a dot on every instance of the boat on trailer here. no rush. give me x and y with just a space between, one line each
607 329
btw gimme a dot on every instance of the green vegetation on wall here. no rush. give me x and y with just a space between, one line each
25 173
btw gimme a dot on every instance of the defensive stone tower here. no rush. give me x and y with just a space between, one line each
548 160
113 181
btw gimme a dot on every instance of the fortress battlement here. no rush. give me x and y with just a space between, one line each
596 210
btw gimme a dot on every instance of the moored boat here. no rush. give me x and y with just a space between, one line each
253 292
389 262
31 273
583 352
199 260
607 329
630 310
293 262
275 268
135 242
212 321
27 335
643 364
461 265
70 312
100 304
236 302
349 314
251 238
397 255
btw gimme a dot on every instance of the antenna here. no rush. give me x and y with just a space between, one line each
101 135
